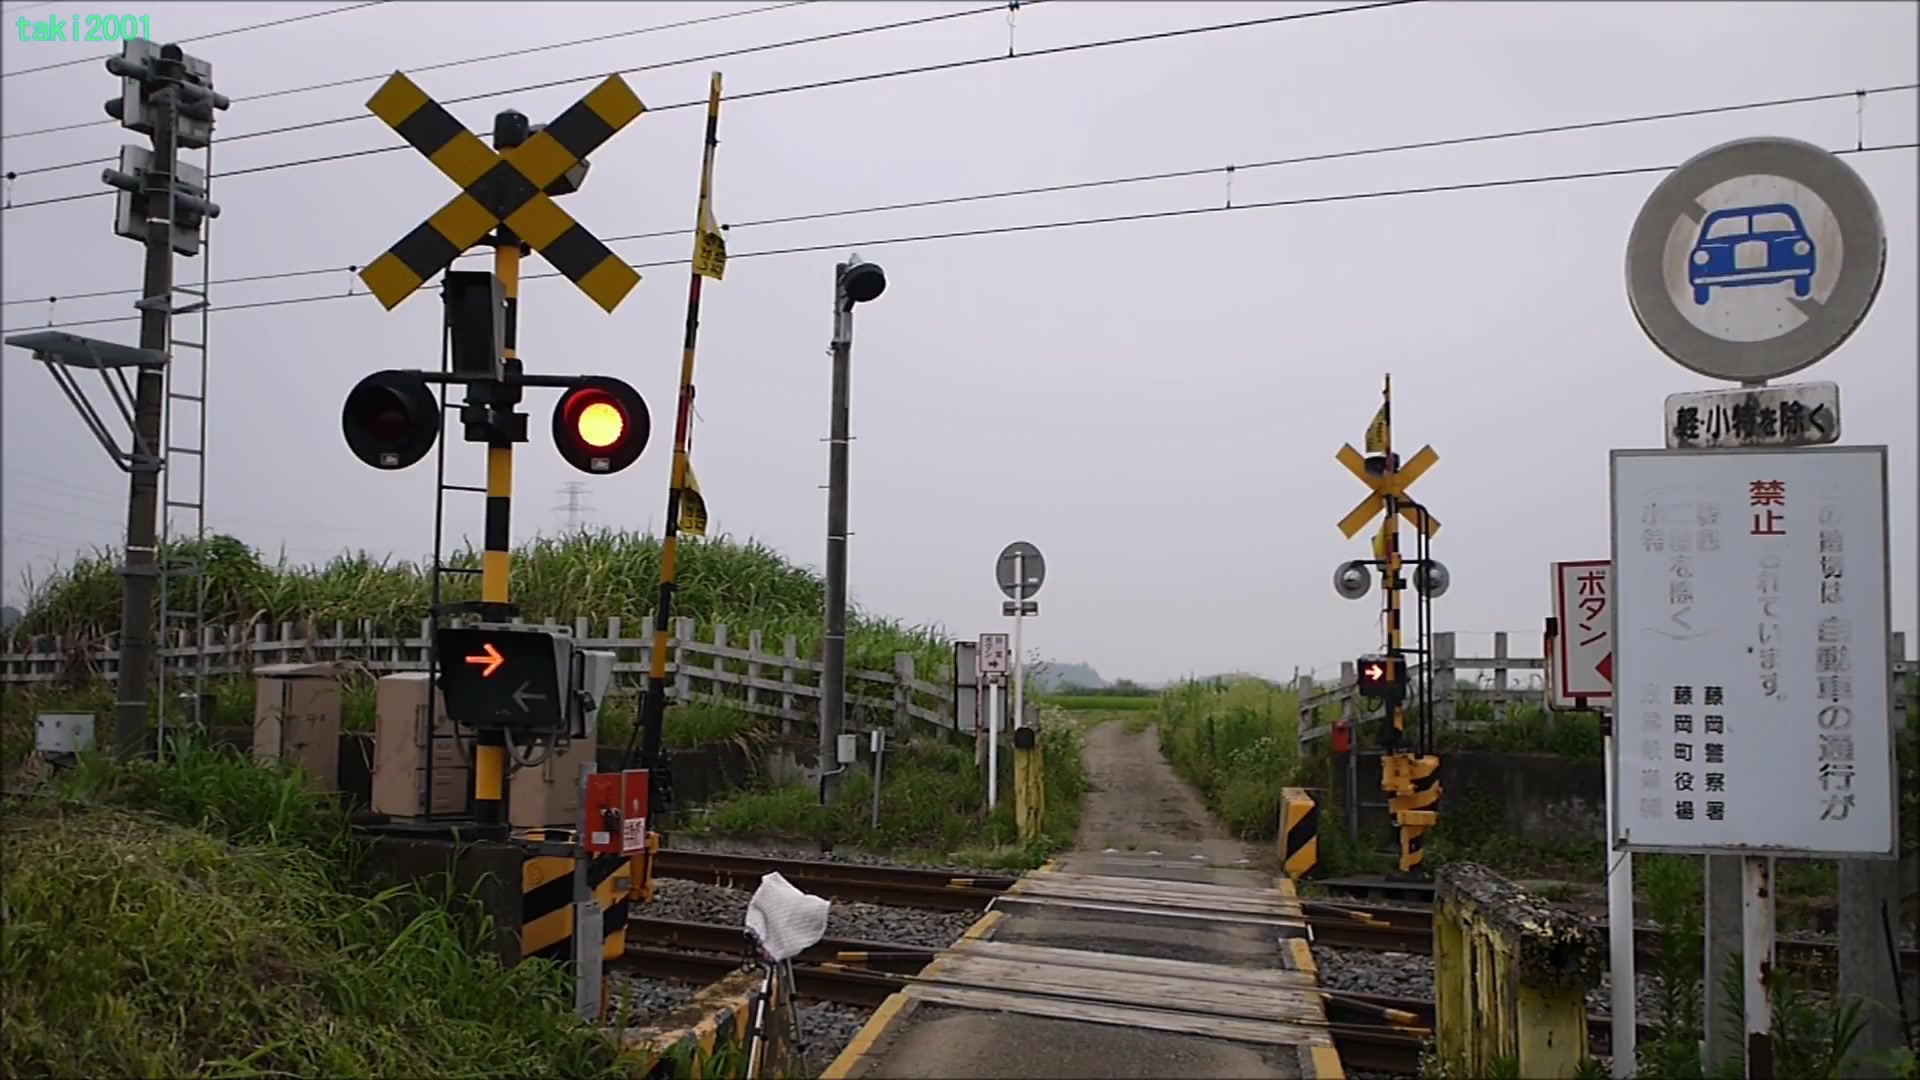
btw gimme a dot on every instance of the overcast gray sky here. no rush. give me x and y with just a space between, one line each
1156 404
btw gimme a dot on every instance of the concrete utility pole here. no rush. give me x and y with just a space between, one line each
854 282
143 482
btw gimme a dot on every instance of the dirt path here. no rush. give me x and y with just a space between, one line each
1137 805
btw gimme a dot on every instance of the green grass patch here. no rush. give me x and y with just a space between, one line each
932 806
1235 741
191 918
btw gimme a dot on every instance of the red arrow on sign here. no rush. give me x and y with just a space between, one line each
489 659
1605 668
1374 672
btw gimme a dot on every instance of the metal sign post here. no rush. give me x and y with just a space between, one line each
1750 572
993 665
1020 571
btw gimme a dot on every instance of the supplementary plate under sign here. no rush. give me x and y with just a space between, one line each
1750 644
1583 652
994 654
1790 414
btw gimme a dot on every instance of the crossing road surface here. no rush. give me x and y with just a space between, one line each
1158 947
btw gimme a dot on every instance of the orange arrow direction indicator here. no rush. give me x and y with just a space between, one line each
1374 672
489 659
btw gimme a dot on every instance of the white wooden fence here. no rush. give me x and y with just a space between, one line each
783 685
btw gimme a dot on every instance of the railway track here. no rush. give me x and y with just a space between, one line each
1382 928
1410 930
864 973
897 886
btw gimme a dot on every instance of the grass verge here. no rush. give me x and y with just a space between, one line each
192 919
932 806
1234 740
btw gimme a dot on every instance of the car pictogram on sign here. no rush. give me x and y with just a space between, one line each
1751 245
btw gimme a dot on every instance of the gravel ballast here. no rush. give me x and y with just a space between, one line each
689 901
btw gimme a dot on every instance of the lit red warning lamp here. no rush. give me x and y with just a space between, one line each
601 425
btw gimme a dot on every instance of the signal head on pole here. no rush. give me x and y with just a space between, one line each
1379 465
391 419
1431 579
1352 579
861 281
601 425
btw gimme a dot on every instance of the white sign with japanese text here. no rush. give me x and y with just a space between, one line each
1583 650
1787 414
995 656
1750 645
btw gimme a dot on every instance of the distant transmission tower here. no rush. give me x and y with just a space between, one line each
574 507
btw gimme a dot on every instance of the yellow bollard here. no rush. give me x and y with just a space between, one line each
1510 977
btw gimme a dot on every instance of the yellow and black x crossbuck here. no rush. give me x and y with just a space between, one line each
1394 483
503 189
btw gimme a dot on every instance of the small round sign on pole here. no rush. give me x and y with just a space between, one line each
1029 560
1755 259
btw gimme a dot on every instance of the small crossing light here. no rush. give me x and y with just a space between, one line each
862 281
1382 678
1377 464
391 419
1352 579
601 425
1431 579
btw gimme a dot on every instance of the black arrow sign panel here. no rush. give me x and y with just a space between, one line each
521 692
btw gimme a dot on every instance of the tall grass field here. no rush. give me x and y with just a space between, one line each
1235 741
598 574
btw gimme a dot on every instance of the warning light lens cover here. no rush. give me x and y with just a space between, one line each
600 424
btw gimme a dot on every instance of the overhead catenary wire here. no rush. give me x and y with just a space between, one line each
1137 178
331 84
1061 223
76 61
820 84
571 80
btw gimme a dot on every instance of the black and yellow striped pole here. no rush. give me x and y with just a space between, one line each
490 745
709 261
1390 556
1409 775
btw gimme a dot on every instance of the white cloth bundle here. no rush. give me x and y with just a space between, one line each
785 920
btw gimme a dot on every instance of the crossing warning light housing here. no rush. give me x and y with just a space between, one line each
601 425
391 419
1382 678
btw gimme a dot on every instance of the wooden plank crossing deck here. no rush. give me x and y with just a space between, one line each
1002 1008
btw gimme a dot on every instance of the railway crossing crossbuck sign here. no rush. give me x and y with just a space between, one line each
514 188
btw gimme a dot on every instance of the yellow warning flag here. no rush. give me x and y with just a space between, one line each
709 244
709 248
1377 432
693 508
